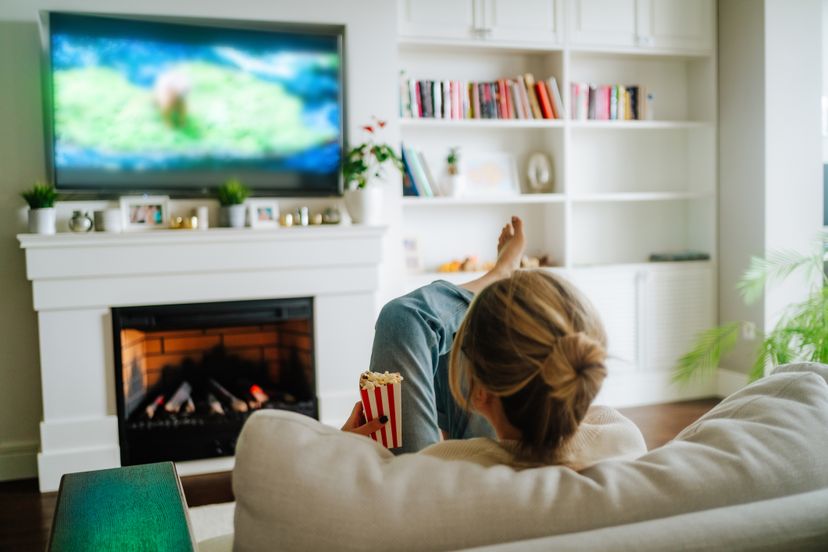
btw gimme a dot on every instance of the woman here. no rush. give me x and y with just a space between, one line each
516 355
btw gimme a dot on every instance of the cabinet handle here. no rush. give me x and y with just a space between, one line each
477 14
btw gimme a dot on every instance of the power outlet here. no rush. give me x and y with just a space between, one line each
748 331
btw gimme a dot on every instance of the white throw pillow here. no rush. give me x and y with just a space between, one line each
300 485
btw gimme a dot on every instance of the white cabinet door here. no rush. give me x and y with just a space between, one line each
679 302
536 21
604 22
677 24
450 19
614 294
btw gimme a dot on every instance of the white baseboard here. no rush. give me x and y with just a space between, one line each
729 381
18 460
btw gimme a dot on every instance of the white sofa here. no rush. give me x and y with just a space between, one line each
752 474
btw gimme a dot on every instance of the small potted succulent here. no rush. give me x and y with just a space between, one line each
41 199
455 182
363 170
231 196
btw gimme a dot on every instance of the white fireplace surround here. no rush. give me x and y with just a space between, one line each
77 278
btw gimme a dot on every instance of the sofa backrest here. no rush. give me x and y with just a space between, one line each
300 485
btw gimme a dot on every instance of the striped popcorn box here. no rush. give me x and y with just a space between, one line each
380 399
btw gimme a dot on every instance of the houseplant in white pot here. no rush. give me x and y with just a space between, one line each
231 196
455 182
363 170
41 199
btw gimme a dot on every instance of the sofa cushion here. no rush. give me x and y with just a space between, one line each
300 485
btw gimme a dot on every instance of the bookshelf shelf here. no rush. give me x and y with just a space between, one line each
639 125
482 123
523 199
411 44
639 196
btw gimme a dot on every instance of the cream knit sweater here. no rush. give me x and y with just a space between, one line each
604 434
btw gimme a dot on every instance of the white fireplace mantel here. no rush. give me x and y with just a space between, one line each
77 278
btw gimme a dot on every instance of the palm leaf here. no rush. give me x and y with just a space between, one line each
705 357
777 266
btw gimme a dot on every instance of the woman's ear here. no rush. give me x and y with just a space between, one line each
481 399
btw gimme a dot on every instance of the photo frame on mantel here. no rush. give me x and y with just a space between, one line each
490 174
145 212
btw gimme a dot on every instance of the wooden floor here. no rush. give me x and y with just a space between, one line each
26 515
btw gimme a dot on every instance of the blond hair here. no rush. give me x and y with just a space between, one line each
536 343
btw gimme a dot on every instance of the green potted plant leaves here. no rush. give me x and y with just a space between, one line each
231 196
455 181
362 170
801 334
41 199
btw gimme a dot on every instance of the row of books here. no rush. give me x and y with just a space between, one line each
418 180
612 102
518 98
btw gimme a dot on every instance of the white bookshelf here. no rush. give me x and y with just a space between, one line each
623 189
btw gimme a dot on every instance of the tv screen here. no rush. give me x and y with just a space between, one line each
181 106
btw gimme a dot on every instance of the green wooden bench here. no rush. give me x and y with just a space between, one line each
124 509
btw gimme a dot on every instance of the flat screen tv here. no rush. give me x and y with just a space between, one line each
181 105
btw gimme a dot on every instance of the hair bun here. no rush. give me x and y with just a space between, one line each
576 362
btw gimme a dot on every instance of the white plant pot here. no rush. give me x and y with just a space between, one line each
365 204
42 221
234 216
454 185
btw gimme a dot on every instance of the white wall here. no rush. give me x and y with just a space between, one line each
770 173
793 152
371 63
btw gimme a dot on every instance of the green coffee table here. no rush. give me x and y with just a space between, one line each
125 509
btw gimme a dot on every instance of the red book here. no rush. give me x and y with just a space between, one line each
543 100
419 99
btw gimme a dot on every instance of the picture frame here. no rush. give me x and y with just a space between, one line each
263 213
489 174
140 213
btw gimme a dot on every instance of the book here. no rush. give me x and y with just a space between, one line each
557 102
543 100
622 103
524 98
405 97
534 104
475 101
437 98
429 177
516 100
409 188
417 107
510 108
446 103
420 181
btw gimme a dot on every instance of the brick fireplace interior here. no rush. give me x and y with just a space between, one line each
188 376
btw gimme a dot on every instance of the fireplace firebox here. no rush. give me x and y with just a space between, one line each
188 376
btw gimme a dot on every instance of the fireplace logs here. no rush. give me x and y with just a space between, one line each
192 374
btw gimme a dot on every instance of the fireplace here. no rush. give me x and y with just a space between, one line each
188 376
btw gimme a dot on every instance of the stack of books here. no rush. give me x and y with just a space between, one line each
418 180
519 98
611 102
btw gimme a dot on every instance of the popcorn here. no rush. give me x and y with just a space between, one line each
368 380
381 395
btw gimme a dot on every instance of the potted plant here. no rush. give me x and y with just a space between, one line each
801 333
41 199
231 196
455 181
363 169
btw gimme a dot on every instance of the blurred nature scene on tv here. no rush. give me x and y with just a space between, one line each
139 96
